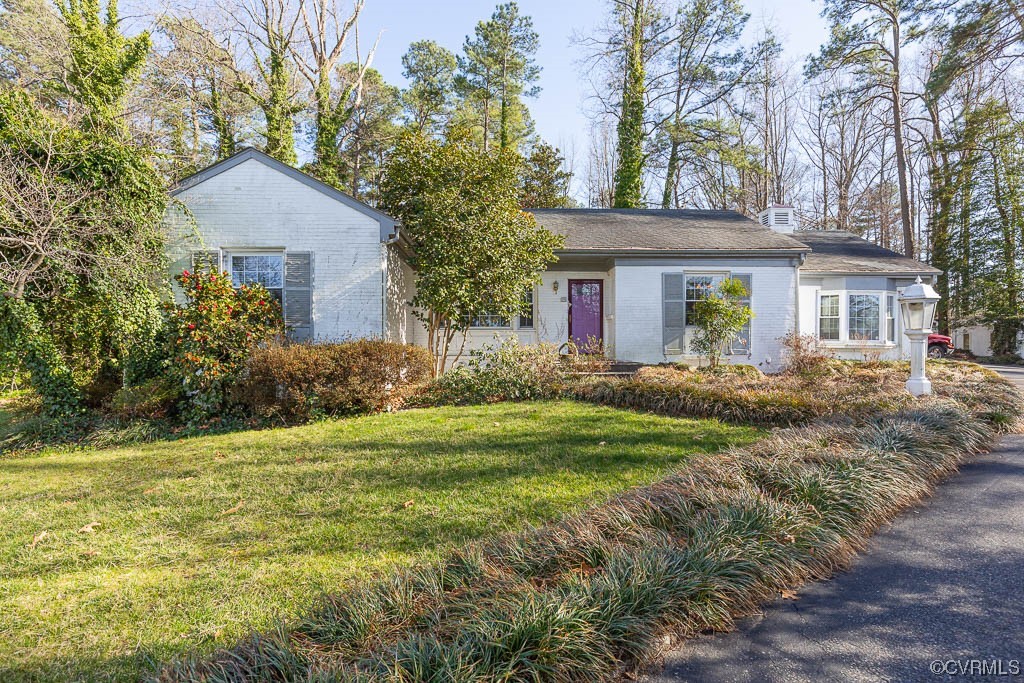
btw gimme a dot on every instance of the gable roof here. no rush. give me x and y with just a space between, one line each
646 231
388 225
837 251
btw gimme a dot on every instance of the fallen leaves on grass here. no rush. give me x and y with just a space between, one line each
231 511
90 527
408 504
148 491
38 537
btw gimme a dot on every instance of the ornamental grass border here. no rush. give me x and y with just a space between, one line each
603 592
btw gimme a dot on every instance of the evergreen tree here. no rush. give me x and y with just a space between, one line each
545 180
496 70
430 70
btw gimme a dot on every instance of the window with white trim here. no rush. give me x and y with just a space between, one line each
486 319
262 269
699 287
526 317
828 317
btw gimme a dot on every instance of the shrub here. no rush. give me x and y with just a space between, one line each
152 399
302 381
804 354
212 335
510 371
721 315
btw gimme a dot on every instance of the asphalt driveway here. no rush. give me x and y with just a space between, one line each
944 583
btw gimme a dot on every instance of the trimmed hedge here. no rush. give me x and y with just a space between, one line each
596 594
299 382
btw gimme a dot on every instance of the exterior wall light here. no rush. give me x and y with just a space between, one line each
917 306
554 286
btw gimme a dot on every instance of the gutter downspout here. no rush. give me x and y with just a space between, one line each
796 307
393 239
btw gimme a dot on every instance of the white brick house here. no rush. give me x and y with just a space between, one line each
323 253
626 278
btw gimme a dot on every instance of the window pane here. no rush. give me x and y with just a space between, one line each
830 305
526 317
828 317
864 323
890 319
828 328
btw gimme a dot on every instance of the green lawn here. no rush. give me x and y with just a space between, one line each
195 542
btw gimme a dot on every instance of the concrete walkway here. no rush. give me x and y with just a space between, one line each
944 582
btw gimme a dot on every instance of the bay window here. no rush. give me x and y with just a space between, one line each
847 317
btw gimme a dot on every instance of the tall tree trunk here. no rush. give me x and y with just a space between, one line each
671 175
901 149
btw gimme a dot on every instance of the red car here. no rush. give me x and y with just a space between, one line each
939 345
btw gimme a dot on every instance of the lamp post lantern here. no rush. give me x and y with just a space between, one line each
917 306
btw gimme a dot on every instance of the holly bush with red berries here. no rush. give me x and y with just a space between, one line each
213 334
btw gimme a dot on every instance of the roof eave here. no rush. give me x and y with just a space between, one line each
905 273
682 252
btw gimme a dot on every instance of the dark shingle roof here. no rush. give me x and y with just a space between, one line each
646 230
836 251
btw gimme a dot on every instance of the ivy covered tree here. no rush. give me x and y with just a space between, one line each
80 241
103 64
474 249
635 17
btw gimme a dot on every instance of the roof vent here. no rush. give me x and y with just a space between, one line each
779 218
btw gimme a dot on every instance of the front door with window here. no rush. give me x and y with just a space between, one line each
586 313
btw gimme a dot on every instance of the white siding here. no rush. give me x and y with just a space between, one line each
254 206
638 310
978 338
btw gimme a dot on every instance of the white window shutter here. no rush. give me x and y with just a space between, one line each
298 295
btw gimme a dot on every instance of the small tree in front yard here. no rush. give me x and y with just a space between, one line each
474 249
720 316
212 335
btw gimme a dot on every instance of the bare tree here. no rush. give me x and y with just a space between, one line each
327 35
49 226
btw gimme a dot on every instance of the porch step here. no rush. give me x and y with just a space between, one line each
624 367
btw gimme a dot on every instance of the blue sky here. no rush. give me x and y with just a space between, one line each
558 110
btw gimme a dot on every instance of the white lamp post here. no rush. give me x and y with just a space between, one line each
917 305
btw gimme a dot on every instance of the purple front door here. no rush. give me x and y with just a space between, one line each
586 311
